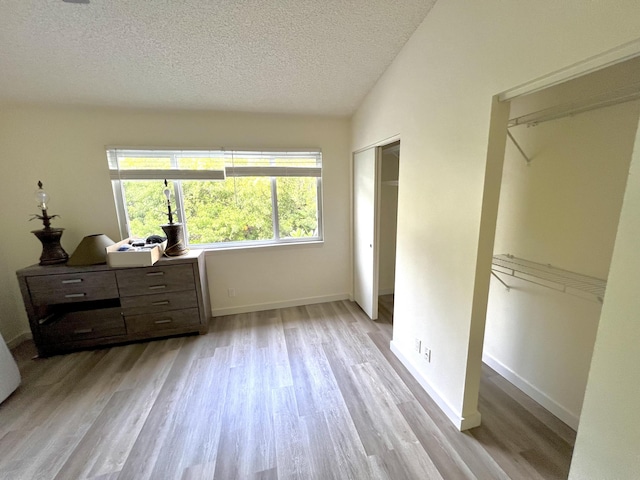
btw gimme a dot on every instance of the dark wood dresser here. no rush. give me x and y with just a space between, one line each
72 308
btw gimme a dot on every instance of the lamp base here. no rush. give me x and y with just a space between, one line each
175 240
52 251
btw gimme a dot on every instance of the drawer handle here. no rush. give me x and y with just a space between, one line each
83 330
47 319
155 274
75 295
74 280
167 320
163 302
157 287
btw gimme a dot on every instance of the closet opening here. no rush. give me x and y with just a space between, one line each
388 214
375 214
566 163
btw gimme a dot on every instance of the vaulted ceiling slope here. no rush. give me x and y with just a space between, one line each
277 56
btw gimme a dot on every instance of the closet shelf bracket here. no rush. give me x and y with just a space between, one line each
519 148
493 272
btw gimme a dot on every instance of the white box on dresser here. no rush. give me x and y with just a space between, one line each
134 258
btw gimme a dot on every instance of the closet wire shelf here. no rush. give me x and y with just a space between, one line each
583 286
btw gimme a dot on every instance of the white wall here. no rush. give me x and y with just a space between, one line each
562 209
65 148
437 97
608 441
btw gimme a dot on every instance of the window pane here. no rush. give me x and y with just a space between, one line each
244 159
144 163
298 207
145 205
300 161
201 163
274 159
233 210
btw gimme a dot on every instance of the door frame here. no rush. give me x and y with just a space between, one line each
378 146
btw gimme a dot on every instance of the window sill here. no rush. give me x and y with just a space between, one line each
211 250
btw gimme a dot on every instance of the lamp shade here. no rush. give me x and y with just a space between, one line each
91 250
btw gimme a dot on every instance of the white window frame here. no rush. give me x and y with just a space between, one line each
175 175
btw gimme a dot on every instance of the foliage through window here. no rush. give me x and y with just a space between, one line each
223 198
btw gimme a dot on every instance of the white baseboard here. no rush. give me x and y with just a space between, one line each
258 307
15 341
461 423
538 395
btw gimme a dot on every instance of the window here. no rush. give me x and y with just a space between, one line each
223 198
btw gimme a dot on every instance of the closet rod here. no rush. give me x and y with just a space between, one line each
607 99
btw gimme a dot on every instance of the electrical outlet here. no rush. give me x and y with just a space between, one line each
232 292
426 354
417 345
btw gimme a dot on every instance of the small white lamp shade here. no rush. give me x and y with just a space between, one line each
91 251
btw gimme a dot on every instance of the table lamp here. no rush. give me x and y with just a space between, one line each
52 251
173 231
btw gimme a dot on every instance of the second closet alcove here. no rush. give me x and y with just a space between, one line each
563 183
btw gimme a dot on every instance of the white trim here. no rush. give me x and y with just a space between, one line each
165 149
258 307
618 54
17 340
461 423
381 143
538 395
275 171
171 174
212 249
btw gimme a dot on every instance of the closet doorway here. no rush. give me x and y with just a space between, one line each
566 164
375 210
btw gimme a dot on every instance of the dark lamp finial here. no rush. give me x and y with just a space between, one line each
167 193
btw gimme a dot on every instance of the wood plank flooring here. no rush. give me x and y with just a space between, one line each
298 393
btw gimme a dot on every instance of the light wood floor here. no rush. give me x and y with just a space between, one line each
305 392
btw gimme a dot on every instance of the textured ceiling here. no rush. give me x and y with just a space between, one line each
278 56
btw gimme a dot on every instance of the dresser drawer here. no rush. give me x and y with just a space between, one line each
163 321
147 281
72 287
159 302
86 324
